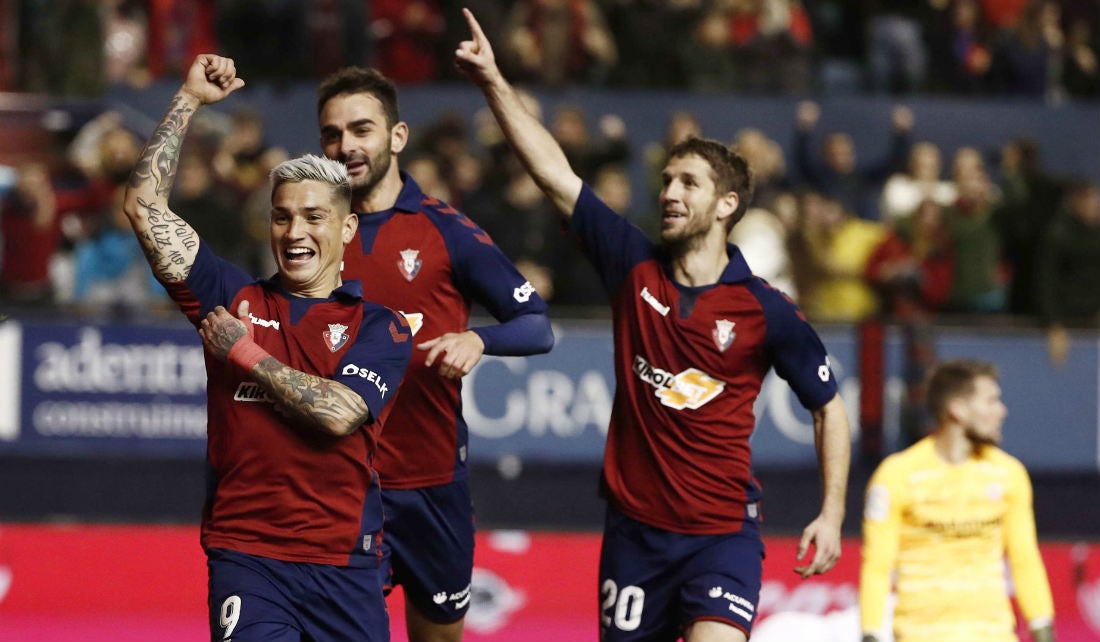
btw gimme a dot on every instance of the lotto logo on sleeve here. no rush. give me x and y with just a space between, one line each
352 370
689 389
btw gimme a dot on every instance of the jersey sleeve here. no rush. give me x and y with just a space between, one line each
1022 547
212 281
375 364
882 513
795 349
484 274
612 243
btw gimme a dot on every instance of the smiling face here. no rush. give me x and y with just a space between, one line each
690 203
355 131
309 228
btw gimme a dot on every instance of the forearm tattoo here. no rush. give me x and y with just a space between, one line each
169 243
321 402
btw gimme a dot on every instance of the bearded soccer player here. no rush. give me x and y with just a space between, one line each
297 380
695 334
416 254
944 514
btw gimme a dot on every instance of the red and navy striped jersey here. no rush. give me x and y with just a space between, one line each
280 489
430 261
689 364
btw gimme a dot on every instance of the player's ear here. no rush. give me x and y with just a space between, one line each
399 137
351 223
727 205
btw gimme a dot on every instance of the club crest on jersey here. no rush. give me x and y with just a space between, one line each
723 334
335 337
409 264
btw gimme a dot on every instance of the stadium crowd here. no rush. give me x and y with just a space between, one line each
850 236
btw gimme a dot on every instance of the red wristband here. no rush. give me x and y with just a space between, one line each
246 353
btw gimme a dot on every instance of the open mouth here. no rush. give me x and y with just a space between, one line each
298 254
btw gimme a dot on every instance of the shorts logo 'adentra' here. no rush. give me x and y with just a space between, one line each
690 389
335 337
409 264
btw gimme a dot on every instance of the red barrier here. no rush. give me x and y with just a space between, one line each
123 583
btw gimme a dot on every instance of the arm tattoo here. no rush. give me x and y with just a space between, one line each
321 402
169 243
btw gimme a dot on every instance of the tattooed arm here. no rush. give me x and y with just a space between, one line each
322 403
169 243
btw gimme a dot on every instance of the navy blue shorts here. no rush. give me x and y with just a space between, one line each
428 548
258 599
654 583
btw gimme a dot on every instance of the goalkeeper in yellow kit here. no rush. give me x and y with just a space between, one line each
945 513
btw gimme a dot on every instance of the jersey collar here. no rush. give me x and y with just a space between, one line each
348 292
738 268
409 200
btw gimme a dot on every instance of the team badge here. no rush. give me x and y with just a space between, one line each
723 334
409 264
335 337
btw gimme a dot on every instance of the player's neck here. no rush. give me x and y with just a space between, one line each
700 263
382 196
952 445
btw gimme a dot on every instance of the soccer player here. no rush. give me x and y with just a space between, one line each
943 514
298 379
417 254
695 334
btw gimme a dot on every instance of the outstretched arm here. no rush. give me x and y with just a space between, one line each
833 440
169 243
322 403
536 148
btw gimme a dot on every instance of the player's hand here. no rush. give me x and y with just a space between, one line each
457 352
474 57
824 536
211 78
221 330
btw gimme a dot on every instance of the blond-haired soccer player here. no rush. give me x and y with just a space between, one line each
945 513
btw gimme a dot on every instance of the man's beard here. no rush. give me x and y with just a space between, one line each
979 442
377 168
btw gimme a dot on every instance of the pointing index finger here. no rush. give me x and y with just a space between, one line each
475 28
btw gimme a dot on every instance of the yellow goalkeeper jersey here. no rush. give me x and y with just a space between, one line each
947 529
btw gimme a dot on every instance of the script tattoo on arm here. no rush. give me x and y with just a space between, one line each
169 243
323 403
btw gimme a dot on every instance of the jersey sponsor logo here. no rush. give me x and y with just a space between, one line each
264 323
723 333
523 293
415 320
251 391
352 370
689 389
409 264
335 337
653 302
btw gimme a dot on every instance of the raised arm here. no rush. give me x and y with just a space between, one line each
318 402
536 148
833 439
169 243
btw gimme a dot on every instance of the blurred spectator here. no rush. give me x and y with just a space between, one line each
649 35
1004 14
963 55
769 168
903 192
1068 276
912 268
772 41
1081 69
31 234
198 198
239 161
61 48
180 30
837 175
558 42
126 42
337 34
979 280
267 39
706 56
762 239
896 49
424 169
1031 54
112 275
587 154
407 33
1029 198
839 246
